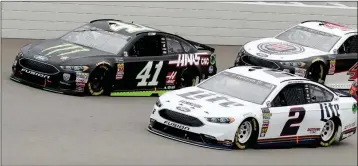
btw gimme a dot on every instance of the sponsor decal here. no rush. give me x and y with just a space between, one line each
280 48
66 76
130 28
185 60
211 69
183 109
41 58
313 130
120 71
194 105
82 77
212 59
335 26
170 78
209 97
178 126
329 111
354 108
169 87
65 49
35 73
350 126
332 66
204 61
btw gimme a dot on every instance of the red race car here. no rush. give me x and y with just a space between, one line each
354 89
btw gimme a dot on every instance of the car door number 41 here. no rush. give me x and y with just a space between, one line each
144 74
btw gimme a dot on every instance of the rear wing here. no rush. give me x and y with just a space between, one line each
201 46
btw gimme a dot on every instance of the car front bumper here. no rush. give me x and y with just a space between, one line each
209 135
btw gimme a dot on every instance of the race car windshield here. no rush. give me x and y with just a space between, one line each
97 38
310 38
239 86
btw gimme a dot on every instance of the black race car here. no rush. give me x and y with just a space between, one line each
113 57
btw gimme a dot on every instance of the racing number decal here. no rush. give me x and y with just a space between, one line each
353 72
145 73
289 129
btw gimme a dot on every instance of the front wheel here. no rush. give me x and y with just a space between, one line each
316 73
98 81
245 134
329 133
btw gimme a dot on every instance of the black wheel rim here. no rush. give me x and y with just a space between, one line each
97 82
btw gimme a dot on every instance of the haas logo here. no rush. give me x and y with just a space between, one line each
185 60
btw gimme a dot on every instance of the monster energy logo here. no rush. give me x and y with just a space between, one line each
71 48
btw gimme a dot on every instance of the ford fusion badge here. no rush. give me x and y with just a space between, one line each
41 58
184 109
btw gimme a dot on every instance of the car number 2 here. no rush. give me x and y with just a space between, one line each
289 129
145 74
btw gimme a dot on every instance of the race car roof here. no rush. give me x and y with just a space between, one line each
265 74
328 27
121 27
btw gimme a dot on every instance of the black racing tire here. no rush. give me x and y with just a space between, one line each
98 82
317 73
329 133
246 134
189 77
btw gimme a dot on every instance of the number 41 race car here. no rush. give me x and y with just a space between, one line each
114 57
236 109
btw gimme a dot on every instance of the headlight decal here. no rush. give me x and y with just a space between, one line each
222 120
75 68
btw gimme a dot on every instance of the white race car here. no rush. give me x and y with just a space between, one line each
236 109
321 51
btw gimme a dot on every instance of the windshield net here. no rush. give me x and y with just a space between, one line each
239 86
310 38
97 38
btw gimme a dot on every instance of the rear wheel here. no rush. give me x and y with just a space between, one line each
245 134
189 77
329 133
98 82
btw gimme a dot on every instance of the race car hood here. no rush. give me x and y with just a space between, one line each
201 103
57 51
274 49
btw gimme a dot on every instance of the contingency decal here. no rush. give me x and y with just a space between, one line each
279 48
332 66
64 49
266 116
120 71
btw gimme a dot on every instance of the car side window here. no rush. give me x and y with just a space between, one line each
174 46
349 46
318 94
293 94
147 46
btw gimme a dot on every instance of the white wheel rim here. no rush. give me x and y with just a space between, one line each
327 130
245 131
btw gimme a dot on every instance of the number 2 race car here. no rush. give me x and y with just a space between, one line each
321 51
115 58
244 107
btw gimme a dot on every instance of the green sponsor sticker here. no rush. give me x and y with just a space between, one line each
354 108
212 59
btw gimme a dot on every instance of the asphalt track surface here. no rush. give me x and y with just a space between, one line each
45 128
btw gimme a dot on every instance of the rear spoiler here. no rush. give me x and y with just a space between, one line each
201 46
